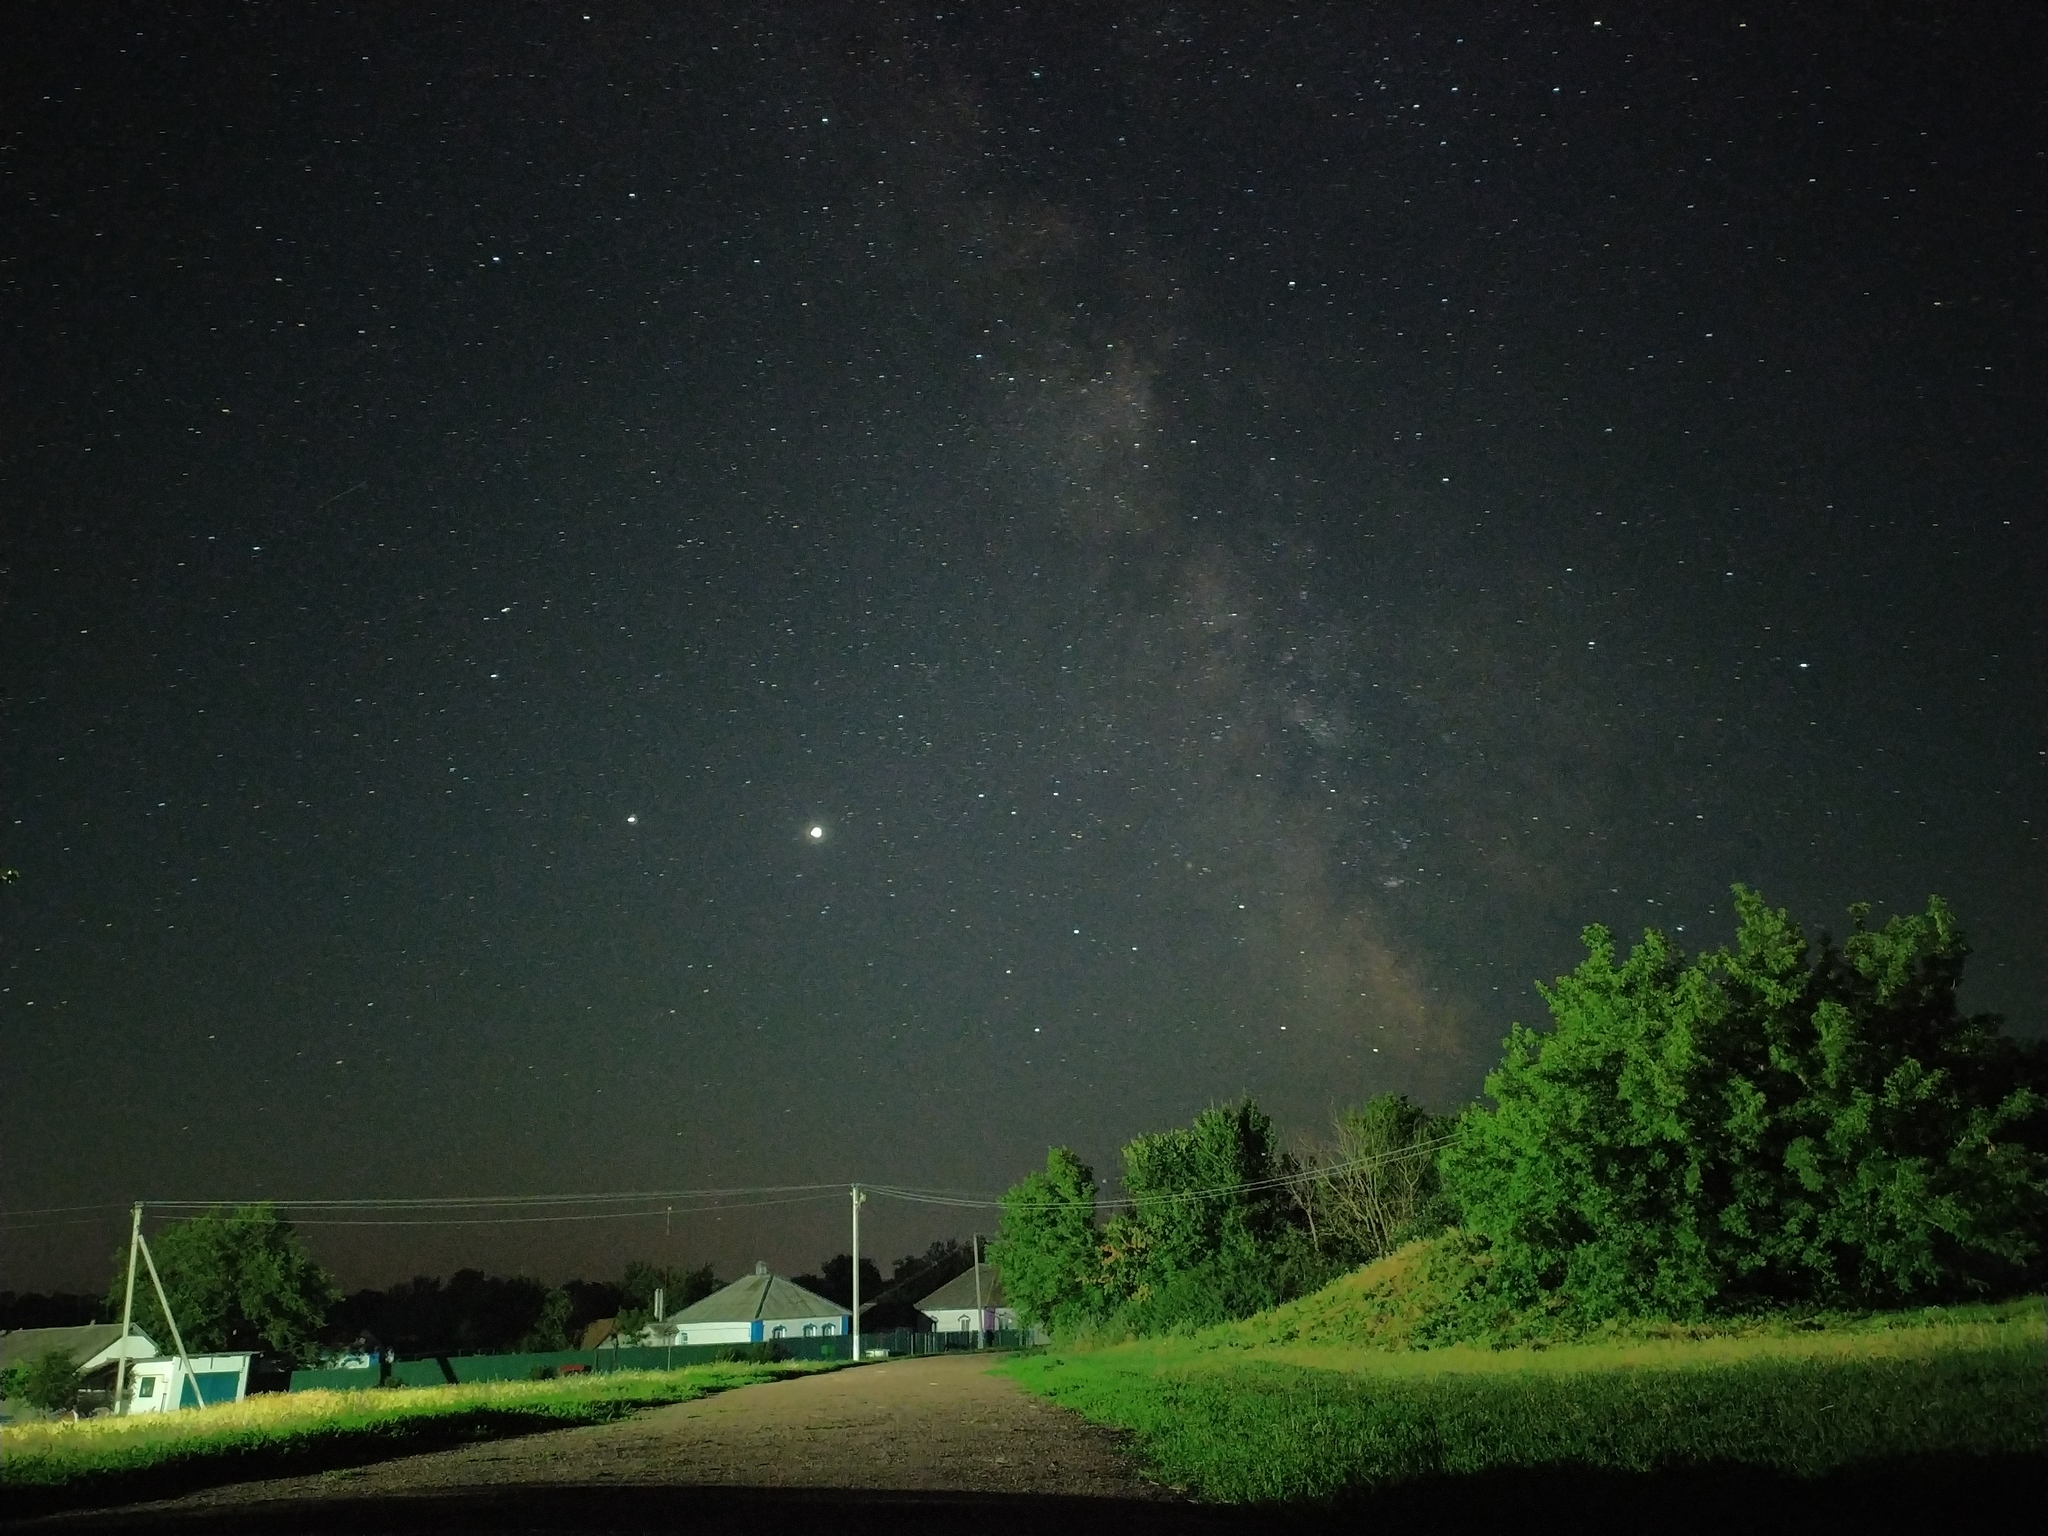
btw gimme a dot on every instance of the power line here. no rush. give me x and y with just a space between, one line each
488 1202
735 1197
507 1221
1277 1181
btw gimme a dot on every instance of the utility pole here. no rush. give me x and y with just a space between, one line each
185 1360
858 1197
127 1315
980 1317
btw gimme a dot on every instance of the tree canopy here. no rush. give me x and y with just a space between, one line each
238 1280
1046 1245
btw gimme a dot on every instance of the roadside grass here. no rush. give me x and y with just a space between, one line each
115 1460
1253 1412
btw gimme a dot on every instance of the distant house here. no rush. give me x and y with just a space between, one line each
970 1302
756 1309
94 1349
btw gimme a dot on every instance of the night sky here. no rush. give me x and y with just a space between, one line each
1243 530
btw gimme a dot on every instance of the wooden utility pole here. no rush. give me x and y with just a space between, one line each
979 1316
858 1197
185 1360
127 1314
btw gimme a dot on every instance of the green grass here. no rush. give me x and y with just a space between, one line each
1285 1408
107 1460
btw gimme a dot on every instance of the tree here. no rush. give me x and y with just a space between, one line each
1046 1245
1882 1147
834 1280
238 1280
679 1287
1376 1185
1776 1122
942 1259
50 1381
550 1330
1209 1219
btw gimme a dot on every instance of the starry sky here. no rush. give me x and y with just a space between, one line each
1241 528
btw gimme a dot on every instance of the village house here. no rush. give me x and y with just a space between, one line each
970 1302
754 1309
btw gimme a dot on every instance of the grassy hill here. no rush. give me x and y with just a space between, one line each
1387 1380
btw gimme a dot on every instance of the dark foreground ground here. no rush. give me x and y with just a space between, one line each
941 1446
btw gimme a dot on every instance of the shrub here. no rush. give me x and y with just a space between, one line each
49 1382
1779 1122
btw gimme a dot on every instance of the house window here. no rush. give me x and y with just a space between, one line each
779 1331
966 1323
831 1329
810 1330
145 1386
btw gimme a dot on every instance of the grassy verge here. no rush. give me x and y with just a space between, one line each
1239 1415
108 1460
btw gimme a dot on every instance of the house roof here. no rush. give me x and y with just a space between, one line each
760 1294
85 1344
959 1291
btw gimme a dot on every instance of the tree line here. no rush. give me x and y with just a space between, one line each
1783 1122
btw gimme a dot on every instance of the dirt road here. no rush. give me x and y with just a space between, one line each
904 1434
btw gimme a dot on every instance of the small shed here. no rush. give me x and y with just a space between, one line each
758 1308
970 1302
157 1386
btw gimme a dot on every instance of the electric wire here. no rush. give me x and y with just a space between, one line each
549 1208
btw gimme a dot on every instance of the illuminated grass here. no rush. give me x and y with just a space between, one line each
279 1434
1235 1419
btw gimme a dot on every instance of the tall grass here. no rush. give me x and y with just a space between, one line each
1236 1420
150 1455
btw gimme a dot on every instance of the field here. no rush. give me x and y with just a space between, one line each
155 1455
1290 1406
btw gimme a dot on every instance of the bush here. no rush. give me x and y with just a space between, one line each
764 1353
49 1382
1775 1123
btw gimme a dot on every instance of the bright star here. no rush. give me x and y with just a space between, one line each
817 834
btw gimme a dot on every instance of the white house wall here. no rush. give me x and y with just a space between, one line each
961 1319
760 1330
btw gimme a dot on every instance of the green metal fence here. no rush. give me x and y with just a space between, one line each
442 1370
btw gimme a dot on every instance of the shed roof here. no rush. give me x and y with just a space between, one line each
959 1291
760 1294
84 1344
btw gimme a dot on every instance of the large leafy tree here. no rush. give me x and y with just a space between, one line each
1881 1145
237 1279
1209 1215
1047 1246
1779 1121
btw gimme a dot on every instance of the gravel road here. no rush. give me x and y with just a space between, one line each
941 1436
